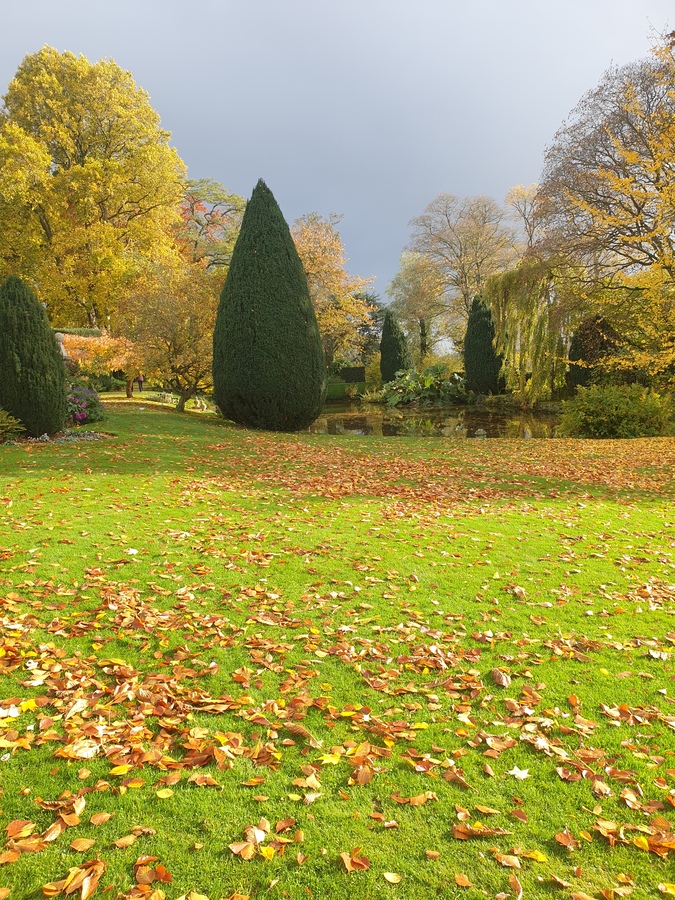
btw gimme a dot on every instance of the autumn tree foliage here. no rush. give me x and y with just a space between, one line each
268 362
32 370
417 293
469 239
339 299
394 353
535 307
608 196
482 363
210 218
89 186
172 333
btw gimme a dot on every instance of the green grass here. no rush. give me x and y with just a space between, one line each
184 580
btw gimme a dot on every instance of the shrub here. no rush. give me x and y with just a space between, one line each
84 405
394 353
616 411
33 374
482 363
592 341
9 426
430 388
268 363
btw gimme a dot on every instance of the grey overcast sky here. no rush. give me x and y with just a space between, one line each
366 108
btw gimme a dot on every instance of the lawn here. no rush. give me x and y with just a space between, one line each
255 665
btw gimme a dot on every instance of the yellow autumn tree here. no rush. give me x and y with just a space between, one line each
608 201
172 317
338 297
89 186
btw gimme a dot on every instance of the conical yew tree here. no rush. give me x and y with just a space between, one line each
32 371
394 353
268 362
482 363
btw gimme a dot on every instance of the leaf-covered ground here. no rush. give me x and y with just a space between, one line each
253 665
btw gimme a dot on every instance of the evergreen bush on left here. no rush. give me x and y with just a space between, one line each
32 372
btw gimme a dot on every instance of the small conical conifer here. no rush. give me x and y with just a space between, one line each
268 363
32 371
394 353
482 363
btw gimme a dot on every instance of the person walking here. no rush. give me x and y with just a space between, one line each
140 380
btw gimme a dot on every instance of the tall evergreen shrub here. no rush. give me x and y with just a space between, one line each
482 363
268 364
593 340
32 371
394 353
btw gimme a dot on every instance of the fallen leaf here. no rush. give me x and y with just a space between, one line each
391 877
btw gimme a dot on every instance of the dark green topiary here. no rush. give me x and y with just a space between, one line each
394 353
482 363
32 372
268 363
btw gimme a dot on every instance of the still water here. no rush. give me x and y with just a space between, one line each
451 422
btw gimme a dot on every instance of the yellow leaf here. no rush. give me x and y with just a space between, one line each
121 770
536 855
267 852
392 877
165 793
641 842
667 888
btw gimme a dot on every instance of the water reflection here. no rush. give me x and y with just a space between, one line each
454 422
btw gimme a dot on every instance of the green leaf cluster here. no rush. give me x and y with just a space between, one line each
616 411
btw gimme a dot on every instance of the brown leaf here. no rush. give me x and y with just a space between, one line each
501 678
245 849
125 841
505 859
462 881
567 839
516 886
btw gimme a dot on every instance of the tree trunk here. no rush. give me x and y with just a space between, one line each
130 388
183 398
424 339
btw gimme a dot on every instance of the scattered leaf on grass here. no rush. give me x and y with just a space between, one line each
462 881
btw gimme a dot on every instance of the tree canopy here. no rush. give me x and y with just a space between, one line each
608 200
339 299
89 186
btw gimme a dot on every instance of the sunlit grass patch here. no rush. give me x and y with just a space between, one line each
401 646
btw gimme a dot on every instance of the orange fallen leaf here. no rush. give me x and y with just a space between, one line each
125 841
462 881
100 818
81 845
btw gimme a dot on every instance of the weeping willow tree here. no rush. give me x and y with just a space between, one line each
535 308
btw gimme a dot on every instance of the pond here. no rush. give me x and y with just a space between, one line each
450 422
